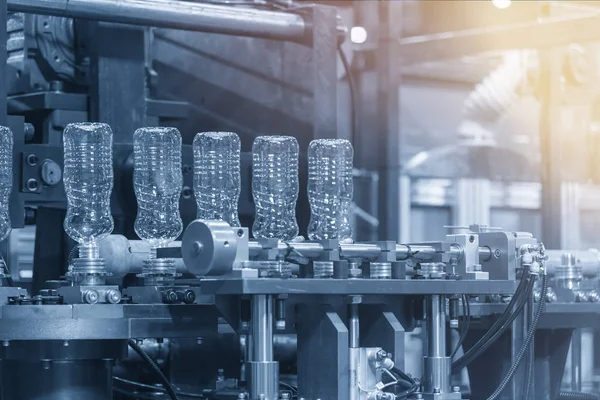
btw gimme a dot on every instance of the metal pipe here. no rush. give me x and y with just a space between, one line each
437 365
436 326
363 251
262 328
185 15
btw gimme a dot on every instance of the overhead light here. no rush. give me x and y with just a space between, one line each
501 4
358 34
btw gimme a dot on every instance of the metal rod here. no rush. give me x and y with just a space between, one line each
262 328
436 326
354 326
185 15
354 350
576 361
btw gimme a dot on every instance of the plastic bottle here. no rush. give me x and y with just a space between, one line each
6 179
158 181
88 180
217 182
275 187
330 189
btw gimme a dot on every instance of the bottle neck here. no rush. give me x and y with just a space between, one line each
89 251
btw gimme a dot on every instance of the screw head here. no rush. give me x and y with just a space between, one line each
91 297
456 389
355 299
113 296
66 343
497 253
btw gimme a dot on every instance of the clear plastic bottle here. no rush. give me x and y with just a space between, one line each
88 180
275 187
158 181
330 189
217 182
6 179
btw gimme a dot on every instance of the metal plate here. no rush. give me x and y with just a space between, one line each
353 286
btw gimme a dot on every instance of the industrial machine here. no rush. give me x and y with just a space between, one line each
175 259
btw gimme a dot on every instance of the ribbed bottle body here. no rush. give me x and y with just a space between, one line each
6 179
275 187
330 189
158 180
88 180
217 182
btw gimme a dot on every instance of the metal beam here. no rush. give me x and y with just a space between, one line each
550 32
185 15
3 18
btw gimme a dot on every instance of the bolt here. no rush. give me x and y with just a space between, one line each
280 324
261 397
241 396
456 389
198 247
66 343
285 396
418 396
91 296
113 296
5 343
220 374
355 299
189 296
46 364
199 340
453 324
32 159
32 184
170 296
436 390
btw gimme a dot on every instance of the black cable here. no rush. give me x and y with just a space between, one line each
515 305
157 388
466 324
162 378
526 343
353 91
531 355
577 396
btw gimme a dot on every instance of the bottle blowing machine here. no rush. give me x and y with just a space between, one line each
176 259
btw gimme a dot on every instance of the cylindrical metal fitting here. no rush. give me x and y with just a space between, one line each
381 270
323 269
263 380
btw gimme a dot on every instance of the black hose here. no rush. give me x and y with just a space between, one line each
577 396
466 324
163 379
526 343
500 326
